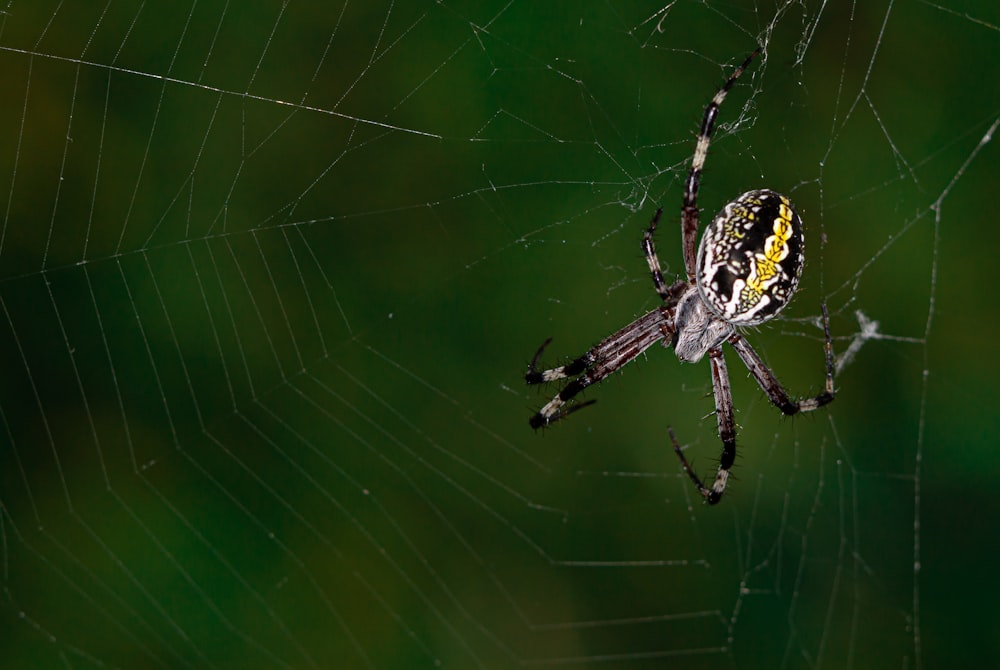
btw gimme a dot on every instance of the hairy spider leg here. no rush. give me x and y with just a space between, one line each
727 431
608 356
689 212
724 404
769 383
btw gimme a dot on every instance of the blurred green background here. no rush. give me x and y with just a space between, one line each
270 275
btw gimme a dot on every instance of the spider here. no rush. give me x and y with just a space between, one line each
743 273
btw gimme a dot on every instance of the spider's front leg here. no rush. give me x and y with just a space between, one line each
553 410
727 431
769 383
610 355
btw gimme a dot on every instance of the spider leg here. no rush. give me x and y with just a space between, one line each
727 432
572 369
769 383
649 250
669 294
608 356
689 212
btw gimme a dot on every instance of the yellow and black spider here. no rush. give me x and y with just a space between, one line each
744 272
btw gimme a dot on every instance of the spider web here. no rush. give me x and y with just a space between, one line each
270 274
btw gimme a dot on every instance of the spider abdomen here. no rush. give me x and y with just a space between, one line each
750 258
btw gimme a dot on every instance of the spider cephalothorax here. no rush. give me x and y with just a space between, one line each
744 272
